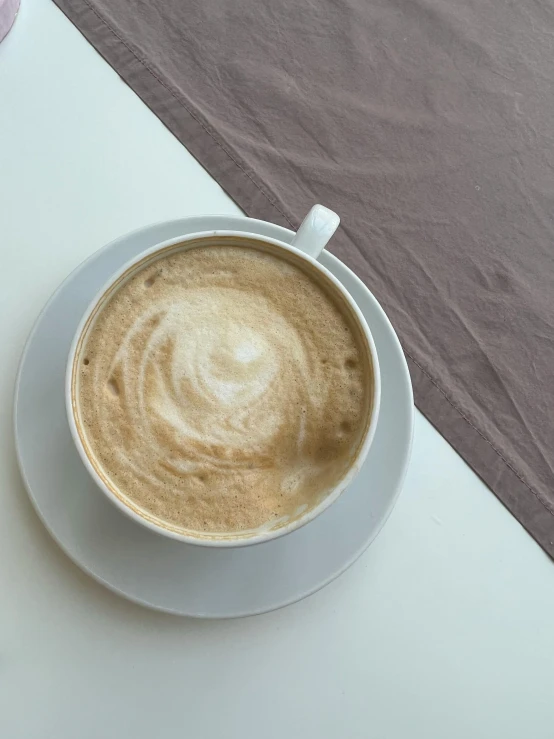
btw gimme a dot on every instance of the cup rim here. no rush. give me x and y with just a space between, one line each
231 541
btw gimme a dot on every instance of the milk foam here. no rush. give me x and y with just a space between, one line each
223 390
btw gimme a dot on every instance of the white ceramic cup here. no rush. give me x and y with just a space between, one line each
309 241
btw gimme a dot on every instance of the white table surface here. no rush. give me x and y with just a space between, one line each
444 629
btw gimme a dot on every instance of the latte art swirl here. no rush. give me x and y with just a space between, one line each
222 390
211 385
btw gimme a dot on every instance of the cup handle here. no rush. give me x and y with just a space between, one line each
316 230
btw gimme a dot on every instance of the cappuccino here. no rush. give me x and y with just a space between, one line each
222 389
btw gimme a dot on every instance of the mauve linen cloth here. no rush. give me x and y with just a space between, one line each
428 125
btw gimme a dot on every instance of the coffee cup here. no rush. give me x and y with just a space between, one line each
223 388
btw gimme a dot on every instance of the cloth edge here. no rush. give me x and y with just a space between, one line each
494 471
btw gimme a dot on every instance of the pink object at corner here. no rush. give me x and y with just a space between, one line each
8 11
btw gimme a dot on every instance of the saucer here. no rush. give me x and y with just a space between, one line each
170 575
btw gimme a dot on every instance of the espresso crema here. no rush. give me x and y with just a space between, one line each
223 389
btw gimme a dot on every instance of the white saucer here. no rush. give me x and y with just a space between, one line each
170 575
